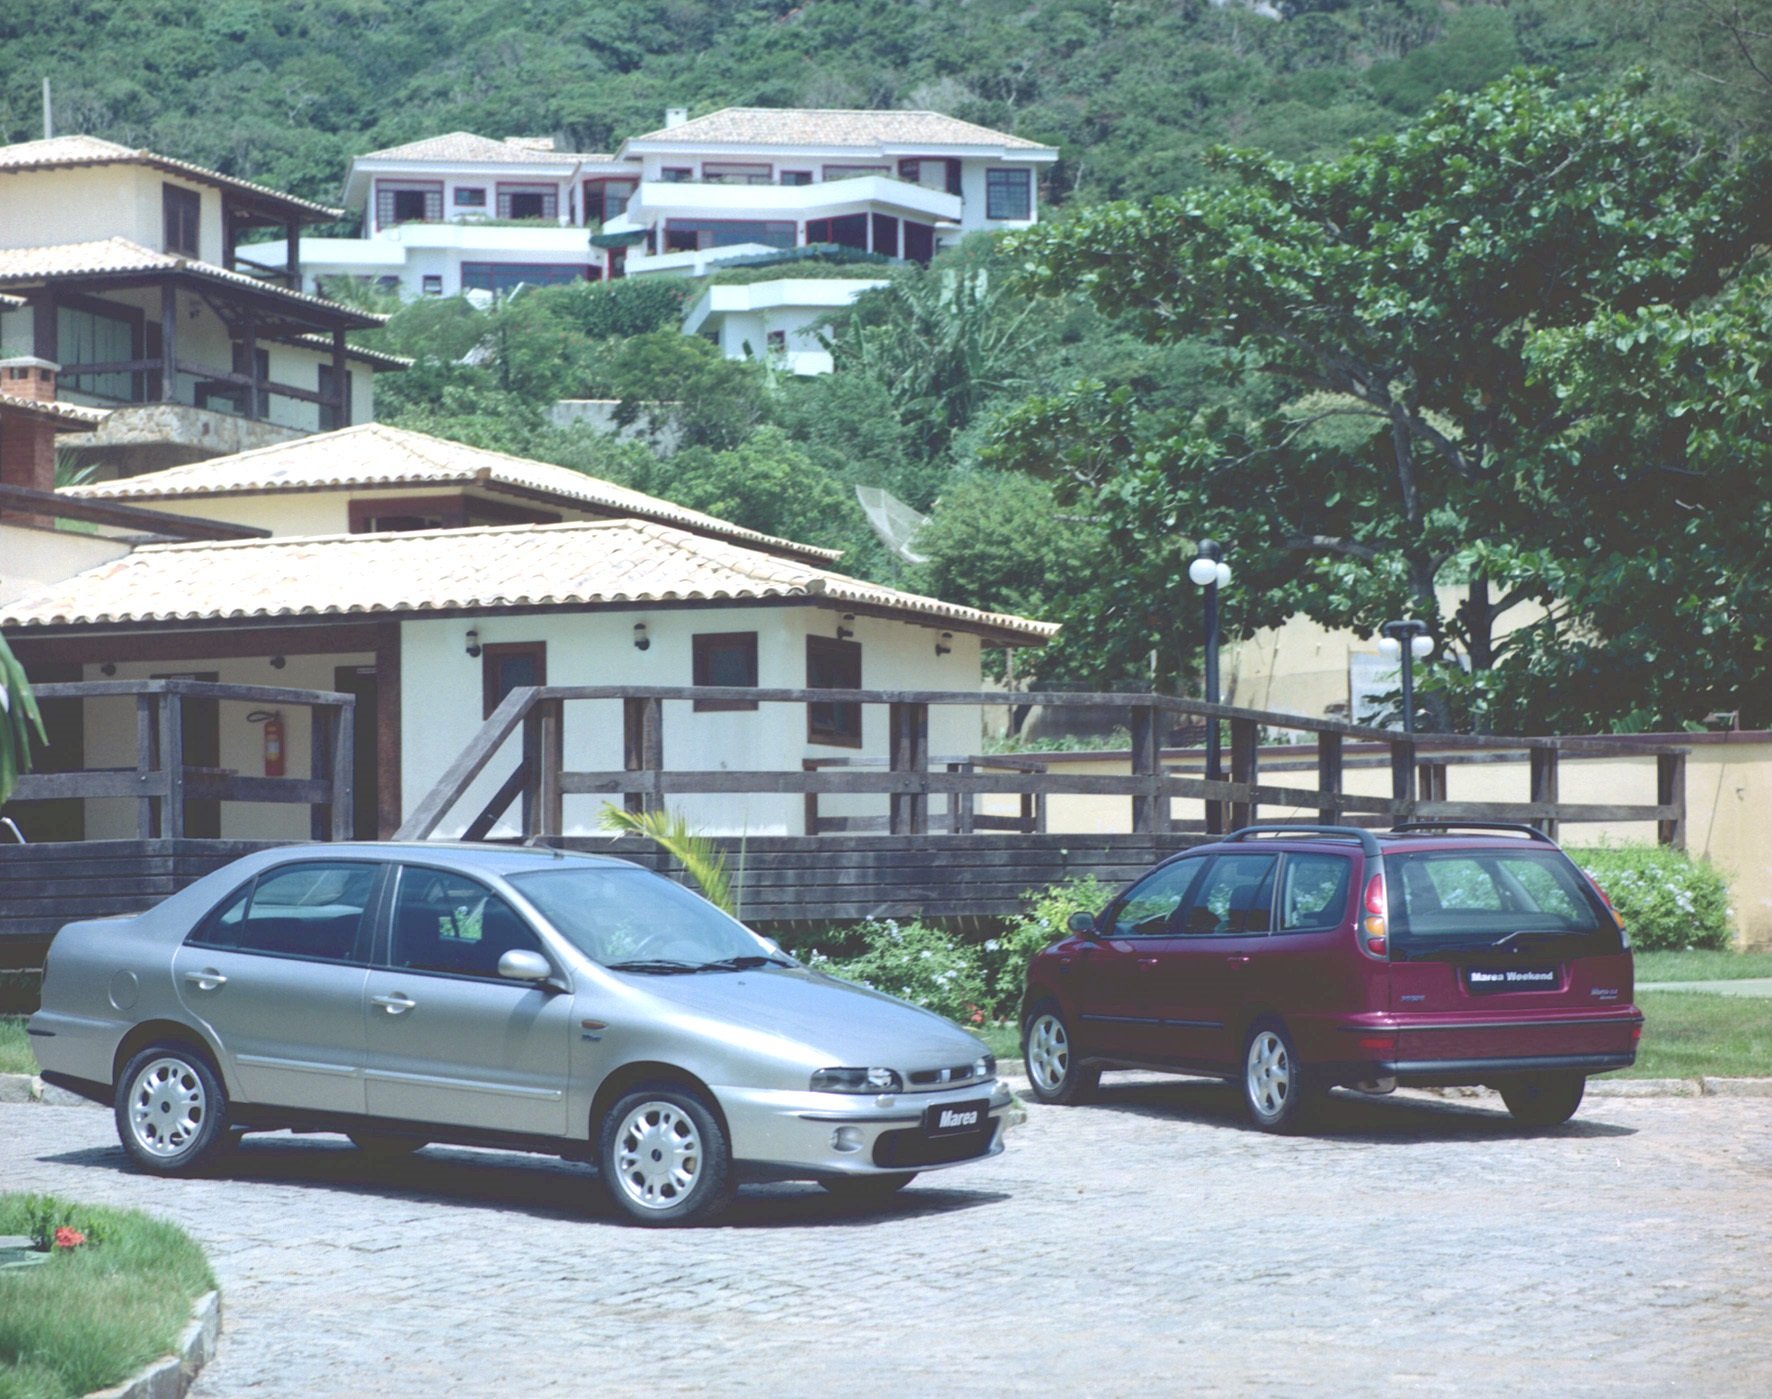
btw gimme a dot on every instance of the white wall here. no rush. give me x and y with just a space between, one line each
43 207
110 739
441 686
30 556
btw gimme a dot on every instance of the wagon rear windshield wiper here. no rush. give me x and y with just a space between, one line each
653 968
743 964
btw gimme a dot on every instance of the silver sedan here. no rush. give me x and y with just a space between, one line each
569 1004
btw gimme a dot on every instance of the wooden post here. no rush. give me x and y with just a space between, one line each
909 752
550 759
344 768
320 740
1329 779
1245 769
1150 808
45 326
292 254
1430 780
388 799
1670 790
341 382
643 749
144 763
960 812
172 763
1544 785
168 342
1402 778
249 359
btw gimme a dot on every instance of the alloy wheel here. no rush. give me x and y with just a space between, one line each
1269 1075
166 1107
658 1155
1049 1053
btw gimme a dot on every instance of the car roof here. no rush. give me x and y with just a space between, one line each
498 859
1280 837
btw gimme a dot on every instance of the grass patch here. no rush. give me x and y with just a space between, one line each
1701 966
92 1316
1690 1034
15 1056
1004 1040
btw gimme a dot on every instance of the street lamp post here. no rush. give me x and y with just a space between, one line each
1407 642
1209 571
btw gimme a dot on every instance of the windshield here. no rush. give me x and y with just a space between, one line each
632 920
1487 898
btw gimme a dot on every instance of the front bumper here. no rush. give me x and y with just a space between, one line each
785 1135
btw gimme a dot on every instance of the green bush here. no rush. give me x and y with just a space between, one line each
1006 957
1668 900
916 963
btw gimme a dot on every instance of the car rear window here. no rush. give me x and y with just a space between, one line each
1483 896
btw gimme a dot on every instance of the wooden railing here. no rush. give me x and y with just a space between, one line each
162 781
910 779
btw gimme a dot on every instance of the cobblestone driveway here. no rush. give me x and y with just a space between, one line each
1146 1244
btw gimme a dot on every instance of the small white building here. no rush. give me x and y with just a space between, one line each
430 578
774 321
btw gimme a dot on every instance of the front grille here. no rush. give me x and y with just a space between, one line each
952 1077
912 1148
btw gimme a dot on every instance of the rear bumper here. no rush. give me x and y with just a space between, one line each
1443 1073
1446 1050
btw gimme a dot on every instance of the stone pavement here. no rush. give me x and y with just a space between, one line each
1150 1243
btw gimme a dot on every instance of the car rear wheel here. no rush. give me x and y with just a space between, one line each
171 1110
664 1157
1054 1071
1274 1085
1545 1101
863 1190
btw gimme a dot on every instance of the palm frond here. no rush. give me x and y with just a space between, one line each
698 855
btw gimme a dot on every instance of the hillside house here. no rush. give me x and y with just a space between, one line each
123 269
428 579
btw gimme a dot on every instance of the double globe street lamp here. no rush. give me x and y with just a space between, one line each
1407 642
1211 572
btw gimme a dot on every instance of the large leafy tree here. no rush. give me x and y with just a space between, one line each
1395 294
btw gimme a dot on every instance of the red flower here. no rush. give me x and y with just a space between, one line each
978 1017
68 1238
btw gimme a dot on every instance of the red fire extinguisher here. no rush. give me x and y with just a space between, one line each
272 719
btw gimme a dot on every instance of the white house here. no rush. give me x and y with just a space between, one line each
773 320
124 274
430 578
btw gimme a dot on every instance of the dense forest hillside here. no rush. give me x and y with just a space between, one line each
1133 91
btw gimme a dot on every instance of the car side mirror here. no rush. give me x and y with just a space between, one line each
518 965
1082 923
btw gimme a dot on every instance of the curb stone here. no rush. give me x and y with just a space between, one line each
171 1376
28 1088
1596 1087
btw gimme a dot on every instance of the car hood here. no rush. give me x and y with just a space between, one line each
845 1023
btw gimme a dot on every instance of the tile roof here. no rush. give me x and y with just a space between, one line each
466 147
609 562
62 152
77 416
376 455
381 359
11 303
24 266
799 126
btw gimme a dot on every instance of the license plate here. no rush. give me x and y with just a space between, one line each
1495 981
953 1119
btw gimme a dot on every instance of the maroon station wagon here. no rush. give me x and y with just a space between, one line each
1294 959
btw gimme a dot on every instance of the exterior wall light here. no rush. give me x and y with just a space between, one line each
473 642
1211 572
642 641
945 645
1407 642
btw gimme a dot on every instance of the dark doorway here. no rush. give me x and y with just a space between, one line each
201 722
359 680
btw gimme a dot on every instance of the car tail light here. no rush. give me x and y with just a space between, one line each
1384 1044
1374 938
1617 917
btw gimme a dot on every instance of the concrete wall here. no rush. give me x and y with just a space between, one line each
30 555
43 207
441 685
1728 793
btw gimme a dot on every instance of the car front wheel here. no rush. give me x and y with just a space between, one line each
1546 1101
1274 1086
172 1112
1054 1072
664 1157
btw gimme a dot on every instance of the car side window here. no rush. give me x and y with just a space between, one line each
312 910
448 923
1235 895
1148 908
1313 892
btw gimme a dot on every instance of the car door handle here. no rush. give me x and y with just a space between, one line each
1147 961
396 1004
206 980
1238 960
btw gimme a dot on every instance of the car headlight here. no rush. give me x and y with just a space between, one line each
856 1081
985 1066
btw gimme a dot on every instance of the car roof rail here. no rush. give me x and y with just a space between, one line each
1518 827
1366 840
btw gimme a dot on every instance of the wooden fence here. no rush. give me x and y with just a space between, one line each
911 781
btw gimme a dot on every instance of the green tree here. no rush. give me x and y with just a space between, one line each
1392 293
19 719
679 384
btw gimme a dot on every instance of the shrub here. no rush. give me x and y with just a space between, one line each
1668 900
916 963
1042 922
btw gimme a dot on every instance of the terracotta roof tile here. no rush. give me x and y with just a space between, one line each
374 455
61 152
521 566
798 126
464 147
76 415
